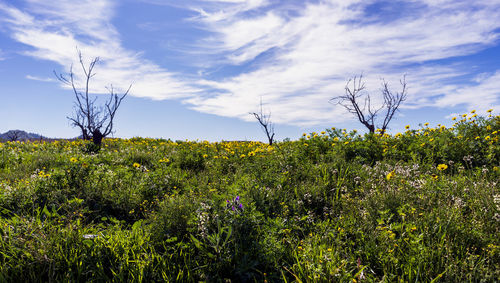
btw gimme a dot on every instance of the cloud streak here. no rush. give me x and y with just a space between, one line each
35 78
293 55
309 56
54 30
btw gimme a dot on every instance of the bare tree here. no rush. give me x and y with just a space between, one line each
265 123
367 114
95 121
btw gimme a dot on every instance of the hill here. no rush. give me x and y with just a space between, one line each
19 135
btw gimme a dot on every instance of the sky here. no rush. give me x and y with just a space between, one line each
198 68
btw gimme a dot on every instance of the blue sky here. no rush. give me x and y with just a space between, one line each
199 67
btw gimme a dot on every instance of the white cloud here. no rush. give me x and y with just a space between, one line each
55 29
481 96
297 55
309 56
35 78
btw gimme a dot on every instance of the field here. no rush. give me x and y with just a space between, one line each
334 206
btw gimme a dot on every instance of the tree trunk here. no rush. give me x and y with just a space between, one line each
97 137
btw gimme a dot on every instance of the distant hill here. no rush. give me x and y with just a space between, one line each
19 135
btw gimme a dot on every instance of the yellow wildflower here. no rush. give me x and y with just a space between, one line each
136 165
390 175
442 167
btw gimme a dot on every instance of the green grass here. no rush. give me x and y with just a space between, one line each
328 207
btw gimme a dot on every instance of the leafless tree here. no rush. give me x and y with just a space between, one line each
94 121
366 114
265 123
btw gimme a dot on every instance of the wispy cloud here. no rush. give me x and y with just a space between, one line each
302 56
55 29
294 55
35 78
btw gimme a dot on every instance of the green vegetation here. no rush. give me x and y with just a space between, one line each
423 206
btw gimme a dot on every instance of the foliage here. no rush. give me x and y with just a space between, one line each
334 206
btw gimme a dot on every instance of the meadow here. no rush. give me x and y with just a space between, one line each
333 206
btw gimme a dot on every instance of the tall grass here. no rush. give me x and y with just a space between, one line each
335 206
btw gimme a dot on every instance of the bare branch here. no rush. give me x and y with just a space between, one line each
94 121
367 115
265 123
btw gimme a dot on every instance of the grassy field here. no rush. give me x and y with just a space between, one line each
420 206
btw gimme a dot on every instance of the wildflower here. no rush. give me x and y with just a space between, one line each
454 118
235 205
390 175
426 124
434 176
136 165
89 236
73 160
473 111
495 168
489 110
442 167
487 137
407 127
336 139
323 132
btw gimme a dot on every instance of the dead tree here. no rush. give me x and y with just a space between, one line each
265 123
94 121
366 114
